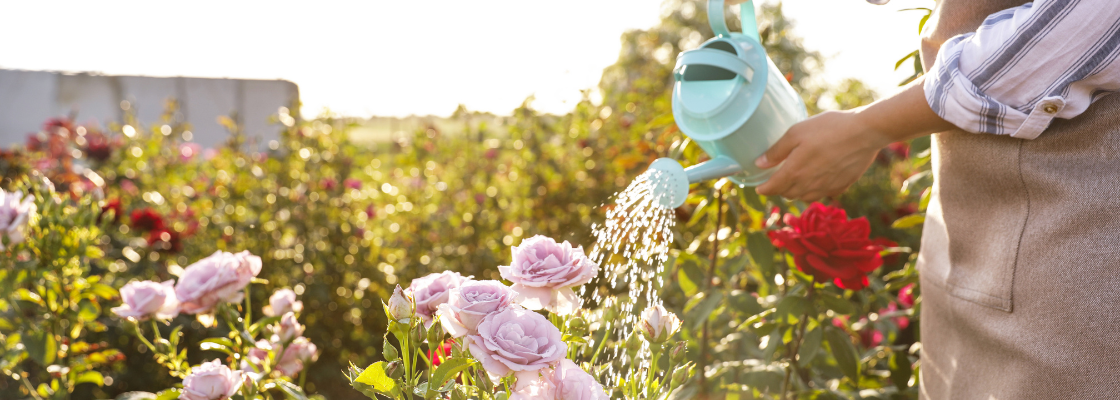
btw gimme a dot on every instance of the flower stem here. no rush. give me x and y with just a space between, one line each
793 364
702 360
248 306
655 350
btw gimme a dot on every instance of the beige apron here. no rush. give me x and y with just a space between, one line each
1020 263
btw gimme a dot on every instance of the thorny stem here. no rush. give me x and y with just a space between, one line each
793 363
30 388
706 334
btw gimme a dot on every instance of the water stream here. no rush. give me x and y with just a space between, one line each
631 247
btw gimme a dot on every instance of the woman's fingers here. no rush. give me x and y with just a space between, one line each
779 151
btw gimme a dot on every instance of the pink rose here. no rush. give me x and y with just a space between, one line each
256 357
282 302
287 329
146 299
906 295
565 382
472 301
431 291
517 341
658 324
216 279
292 358
15 212
211 381
543 273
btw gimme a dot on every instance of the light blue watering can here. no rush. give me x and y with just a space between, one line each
731 99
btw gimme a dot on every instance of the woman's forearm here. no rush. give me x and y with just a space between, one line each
902 116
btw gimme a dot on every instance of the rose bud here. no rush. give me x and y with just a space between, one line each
281 302
393 370
577 326
400 306
389 352
658 325
288 328
676 355
680 375
633 345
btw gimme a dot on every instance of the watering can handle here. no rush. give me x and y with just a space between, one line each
746 14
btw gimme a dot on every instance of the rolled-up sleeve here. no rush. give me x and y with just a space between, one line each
1026 66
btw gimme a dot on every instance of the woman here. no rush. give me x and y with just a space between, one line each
1019 257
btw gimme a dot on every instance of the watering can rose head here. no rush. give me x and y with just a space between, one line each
519 342
830 247
430 291
469 303
15 212
544 272
216 279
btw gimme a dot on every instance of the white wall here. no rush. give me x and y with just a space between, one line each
27 98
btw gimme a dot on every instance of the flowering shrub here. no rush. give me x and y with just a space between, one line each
211 288
501 349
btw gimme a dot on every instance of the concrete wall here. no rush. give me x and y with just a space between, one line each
27 98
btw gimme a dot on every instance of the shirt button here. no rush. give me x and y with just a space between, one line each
1050 109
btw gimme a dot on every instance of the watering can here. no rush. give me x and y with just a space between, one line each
730 98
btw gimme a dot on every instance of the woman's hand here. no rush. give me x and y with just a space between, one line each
825 154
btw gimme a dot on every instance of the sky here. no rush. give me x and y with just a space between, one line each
408 57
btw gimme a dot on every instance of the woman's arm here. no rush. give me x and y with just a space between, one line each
825 154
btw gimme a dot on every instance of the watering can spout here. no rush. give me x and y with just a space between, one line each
669 180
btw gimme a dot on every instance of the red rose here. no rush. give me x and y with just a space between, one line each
906 295
147 219
440 353
165 240
113 205
829 246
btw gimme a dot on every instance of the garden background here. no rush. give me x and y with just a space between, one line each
341 221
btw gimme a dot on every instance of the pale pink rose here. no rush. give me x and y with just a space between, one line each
401 306
216 279
188 151
544 272
292 358
472 301
15 213
565 382
256 357
658 324
281 302
211 381
287 329
431 291
143 300
517 341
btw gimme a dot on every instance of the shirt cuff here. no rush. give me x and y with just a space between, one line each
956 99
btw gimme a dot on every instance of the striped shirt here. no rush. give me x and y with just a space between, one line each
1026 66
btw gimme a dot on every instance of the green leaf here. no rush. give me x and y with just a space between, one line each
88 311
136 396
375 376
792 306
704 309
762 253
262 323
844 352
909 221
216 344
93 377
690 277
809 345
41 347
449 368
904 58
290 390
168 394
923 203
900 369
103 291
836 303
